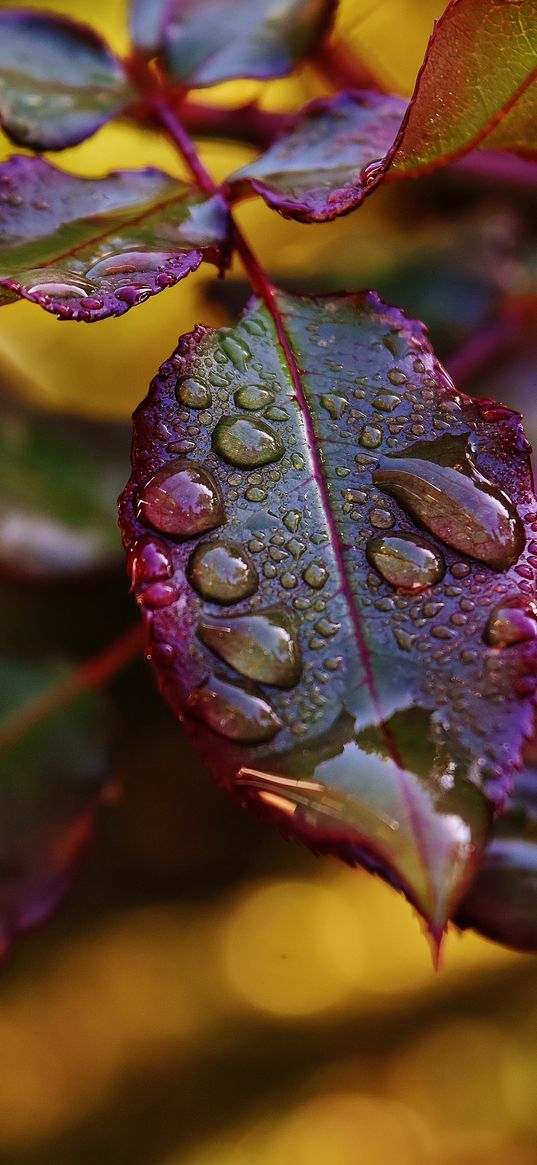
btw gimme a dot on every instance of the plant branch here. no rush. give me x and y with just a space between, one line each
87 677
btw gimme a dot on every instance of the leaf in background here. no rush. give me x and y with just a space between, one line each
87 248
59 81
335 659
207 41
314 172
57 515
502 900
51 781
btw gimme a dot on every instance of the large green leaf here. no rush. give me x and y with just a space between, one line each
59 81
207 41
51 779
335 639
88 248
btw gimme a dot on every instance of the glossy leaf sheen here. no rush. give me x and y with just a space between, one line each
502 900
86 248
59 81
51 780
391 717
207 41
315 171
57 515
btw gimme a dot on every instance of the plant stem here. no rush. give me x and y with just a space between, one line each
86 677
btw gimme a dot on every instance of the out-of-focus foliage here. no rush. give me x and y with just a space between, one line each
211 995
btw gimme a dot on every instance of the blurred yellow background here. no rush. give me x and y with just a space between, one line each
211 995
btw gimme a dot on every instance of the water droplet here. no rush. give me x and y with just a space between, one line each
297 461
184 446
128 263
261 646
371 437
149 560
460 569
315 575
245 442
382 519
57 290
222 572
326 628
386 402
238 352
291 520
513 620
397 376
466 512
255 494
334 404
253 398
158 594
405 561
193 394
288 580
234 712
182 499
403 638
276 414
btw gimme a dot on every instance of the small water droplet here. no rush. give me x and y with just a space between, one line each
386 402
297 461
182 499
149 560
405 561
382 519
222 572
466 512
513 620
193 394
233 712
247 443
128 263
371 437
184 446
54 289
261 646
292 520
334 403
253 398
276 414
327 628
397 376
255 494
315 575
238 351
158 594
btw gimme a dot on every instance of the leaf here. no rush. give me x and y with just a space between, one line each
502 900
59 81
467 94
207 41
315 171
57 515
87 248
368 719
51 781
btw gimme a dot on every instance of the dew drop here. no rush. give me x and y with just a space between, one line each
371 437
514 620
382 519
193 394
291 520
245 442
238 352
276 414
334 404
233 712
128 263
397 376
182 499
405 561
386 402
253 398
255 494
148 561
222 572
57 290
261 646
466 512
315 575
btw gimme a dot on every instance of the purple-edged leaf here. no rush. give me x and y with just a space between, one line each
502 899
207 41
57 515
315 171
51 779
59 81
322 550
88 248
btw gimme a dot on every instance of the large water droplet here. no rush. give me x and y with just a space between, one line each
148 561
234 712
128 263
193 394
54 289
466 512
222 572
405 561
262 646
246 443
513 620
251 397
182 499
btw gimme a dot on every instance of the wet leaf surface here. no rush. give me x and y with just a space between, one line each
315 172
86 248
59 81
200 42
51 780
502 900
57 515
353 696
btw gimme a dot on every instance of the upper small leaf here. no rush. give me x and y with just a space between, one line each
88 248
59 81
51 780
502 899
329 555
207 41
